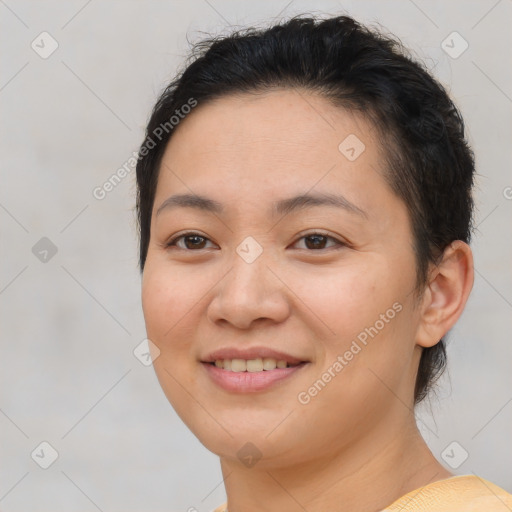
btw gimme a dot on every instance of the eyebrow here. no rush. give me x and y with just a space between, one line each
280 207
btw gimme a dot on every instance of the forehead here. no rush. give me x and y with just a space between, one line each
274 144
291 123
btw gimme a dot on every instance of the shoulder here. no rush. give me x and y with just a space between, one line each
467 493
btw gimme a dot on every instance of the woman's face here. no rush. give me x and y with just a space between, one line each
324 284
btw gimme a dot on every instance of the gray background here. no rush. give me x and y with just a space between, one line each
70 324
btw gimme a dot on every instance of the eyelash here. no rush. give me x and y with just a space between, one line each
172 242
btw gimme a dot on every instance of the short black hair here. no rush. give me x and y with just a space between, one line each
428 162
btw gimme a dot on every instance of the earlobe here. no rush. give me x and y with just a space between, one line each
446 295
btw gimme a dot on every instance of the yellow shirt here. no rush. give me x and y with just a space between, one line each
467 493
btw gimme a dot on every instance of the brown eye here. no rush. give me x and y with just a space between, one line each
190 241
315 241
318 241
194 241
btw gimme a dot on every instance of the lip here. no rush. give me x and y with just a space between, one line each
251 353
249 382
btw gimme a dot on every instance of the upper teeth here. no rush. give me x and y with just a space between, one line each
250 365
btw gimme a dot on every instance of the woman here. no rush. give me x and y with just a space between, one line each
304 201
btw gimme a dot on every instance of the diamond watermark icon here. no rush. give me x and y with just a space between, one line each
249 455
454 45
454 455
249 250
44 455
351 147
44 250
146 352
44 45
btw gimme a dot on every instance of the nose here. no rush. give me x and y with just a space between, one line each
250 293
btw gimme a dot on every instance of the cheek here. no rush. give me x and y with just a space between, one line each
166 301
370 313
157 301
363 308
168 295
347 299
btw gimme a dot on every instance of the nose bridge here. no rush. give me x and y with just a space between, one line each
248 279
249 291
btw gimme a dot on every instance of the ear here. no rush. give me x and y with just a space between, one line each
446 294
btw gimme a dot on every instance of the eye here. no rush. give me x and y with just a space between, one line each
318 240
193 240
190 240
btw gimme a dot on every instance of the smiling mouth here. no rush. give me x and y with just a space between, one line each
252 365
251 375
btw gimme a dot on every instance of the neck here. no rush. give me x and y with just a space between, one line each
366 476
